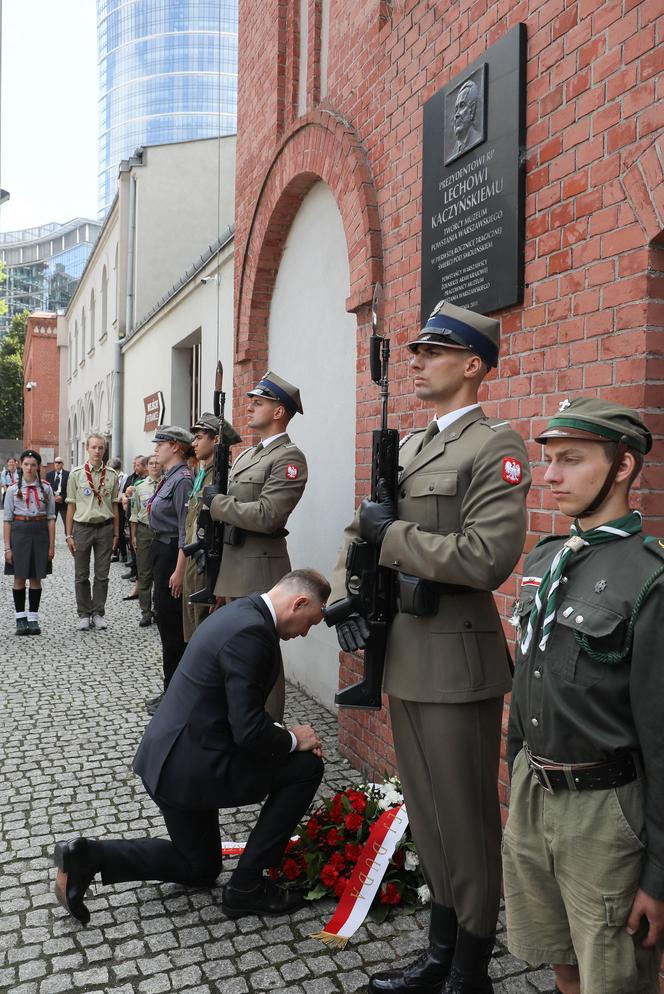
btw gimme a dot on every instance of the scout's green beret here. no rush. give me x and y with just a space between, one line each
210 422
457 327
172 433
275 388
598 420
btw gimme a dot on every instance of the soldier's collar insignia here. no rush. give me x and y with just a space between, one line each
600 586
563 405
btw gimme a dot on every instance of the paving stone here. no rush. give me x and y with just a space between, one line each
71 724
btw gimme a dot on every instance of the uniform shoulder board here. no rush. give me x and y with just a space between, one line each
654 544
418 431
495 424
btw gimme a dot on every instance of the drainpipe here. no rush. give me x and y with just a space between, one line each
118 370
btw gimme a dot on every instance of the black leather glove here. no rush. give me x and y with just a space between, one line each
353 633
377 516
209 493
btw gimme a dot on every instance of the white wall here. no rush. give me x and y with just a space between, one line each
149 358
312 343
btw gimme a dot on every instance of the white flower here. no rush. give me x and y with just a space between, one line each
412 860
424 894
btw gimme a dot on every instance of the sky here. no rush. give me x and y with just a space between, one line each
48 136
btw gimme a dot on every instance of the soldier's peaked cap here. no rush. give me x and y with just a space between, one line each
457 327
597 420
273 387
173 433
210 422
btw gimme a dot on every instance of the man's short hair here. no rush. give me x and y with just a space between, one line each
115 463
95 434
307 581
142 459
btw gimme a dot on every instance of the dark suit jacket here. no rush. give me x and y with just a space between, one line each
211 741
50 478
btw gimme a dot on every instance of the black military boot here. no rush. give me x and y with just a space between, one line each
427 974
77 868
470 966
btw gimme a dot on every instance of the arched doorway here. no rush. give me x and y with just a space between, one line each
312 343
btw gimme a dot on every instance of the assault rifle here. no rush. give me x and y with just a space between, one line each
209 544
370 587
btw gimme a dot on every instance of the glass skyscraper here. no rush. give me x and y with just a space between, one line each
167 73
43 265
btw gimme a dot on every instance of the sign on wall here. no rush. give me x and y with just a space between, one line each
154 411
473 183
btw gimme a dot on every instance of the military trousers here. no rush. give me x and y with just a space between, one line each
192 614
447 759
164 558
97 539
144 567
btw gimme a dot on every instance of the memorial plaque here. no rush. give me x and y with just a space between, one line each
473 183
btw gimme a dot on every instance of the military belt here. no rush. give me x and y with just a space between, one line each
554 777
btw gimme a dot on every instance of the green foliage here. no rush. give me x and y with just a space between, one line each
3 277
11 377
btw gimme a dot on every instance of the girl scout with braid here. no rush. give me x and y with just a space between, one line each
583 851
29 534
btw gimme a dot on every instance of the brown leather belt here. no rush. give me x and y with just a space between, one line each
582 776
29 517
94 524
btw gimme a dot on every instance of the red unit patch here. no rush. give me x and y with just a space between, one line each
512 471
292 472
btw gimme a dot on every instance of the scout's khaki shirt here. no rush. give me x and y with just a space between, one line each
143 491
79 492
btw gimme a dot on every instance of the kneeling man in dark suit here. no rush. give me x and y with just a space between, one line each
212 745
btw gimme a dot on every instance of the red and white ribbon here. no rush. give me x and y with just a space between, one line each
366 878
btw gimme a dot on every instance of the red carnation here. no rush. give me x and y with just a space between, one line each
352 851
389 894
336 810
334 837
313 828
353 821
329 875
337 861
357 800
340 886
293 844
399 858
290 869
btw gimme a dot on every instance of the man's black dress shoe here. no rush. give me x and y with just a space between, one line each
266 899
146 620
74 876
130 597
152 705
469 973
129 575
428 973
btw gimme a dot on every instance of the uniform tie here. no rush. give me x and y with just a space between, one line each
431 432
547 593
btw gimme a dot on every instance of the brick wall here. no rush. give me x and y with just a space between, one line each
593 315
41 366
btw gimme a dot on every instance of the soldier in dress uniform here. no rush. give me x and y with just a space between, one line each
167 514
265 484
206 435
455 535
584 842
92 526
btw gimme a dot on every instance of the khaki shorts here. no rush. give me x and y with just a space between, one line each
571 867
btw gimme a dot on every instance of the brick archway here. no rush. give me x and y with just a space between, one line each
320 147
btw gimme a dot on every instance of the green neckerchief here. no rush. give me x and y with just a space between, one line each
547 593
198 482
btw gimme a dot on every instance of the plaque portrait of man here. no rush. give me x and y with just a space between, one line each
465 123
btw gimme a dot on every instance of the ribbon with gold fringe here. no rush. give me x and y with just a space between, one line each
364 881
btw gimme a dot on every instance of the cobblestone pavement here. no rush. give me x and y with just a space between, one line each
72 715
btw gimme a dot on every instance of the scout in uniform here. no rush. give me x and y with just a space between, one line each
141 537
584 842
265 484
29 534
205 433
92 525
167 513
455 535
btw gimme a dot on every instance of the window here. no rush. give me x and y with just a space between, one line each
92 319
195 406
83 335
104 303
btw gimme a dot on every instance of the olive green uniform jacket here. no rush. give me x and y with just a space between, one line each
462 523
194 579
572 708
263 488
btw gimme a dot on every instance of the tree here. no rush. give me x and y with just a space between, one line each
11 377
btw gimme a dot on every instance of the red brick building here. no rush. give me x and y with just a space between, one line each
41 369
332 91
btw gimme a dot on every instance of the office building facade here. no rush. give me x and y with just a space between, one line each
167 73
